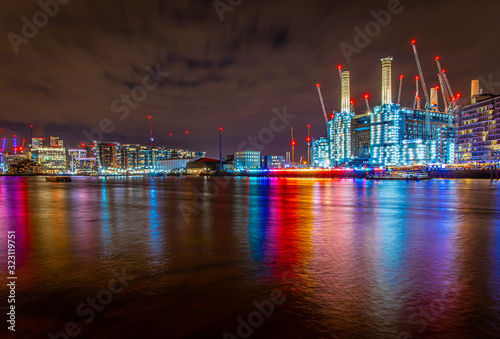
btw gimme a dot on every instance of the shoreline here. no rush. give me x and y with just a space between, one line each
326 174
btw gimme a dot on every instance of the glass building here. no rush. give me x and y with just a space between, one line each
320 153
247 160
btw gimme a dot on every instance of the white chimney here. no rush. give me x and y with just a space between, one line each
387 80
434 96
345 92
475 91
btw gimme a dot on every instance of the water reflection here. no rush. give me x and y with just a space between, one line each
362 259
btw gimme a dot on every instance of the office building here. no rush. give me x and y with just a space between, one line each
273 162
247 160
478 132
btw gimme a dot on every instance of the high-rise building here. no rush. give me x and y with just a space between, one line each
478 135
107 155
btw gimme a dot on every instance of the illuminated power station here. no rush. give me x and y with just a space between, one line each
409 136
339 127
393 134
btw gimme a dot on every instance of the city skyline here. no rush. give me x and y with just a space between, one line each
219 78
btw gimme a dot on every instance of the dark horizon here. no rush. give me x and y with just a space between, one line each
231 73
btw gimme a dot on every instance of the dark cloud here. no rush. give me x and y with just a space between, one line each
264 55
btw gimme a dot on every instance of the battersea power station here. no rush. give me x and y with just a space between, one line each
390 134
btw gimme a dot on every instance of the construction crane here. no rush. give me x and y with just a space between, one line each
400 88
445 78
150 130
31 135
446 97
416 101
452 99
322 103
419 67
367 103
339 67
293 148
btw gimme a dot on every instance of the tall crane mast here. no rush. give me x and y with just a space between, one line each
367 102
446 97
416 101
339 67
443 73
322 103
419 67
150 130
400 88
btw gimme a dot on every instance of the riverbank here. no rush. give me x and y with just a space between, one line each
327 174
356 174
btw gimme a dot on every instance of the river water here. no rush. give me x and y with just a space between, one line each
260 258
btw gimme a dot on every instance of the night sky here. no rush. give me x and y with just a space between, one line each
264 55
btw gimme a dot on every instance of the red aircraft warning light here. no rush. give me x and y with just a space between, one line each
187 132
220 129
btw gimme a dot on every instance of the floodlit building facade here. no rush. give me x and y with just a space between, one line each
52 159
478 135
320 153
247 160
273 161
339 126
408 136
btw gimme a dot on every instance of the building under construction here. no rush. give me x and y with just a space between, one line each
393 135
